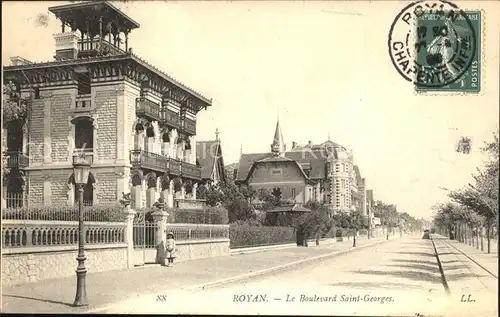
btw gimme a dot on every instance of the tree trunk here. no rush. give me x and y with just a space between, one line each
488 228
477 237
482 238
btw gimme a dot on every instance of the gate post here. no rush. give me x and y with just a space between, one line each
160 219
129 236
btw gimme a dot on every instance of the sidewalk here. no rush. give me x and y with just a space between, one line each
488 261
57 295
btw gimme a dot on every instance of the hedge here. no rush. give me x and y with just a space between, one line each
244 235
211 215
99 213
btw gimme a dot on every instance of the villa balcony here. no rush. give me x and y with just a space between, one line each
189 126
161 163
147 160
16 159
170 118
190 171
96 47
83 103
148 109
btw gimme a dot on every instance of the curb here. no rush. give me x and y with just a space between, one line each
277 268
441 271
254 274
273 247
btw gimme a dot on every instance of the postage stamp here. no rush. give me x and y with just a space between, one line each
437 46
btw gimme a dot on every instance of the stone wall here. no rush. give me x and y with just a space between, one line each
45 263
190 250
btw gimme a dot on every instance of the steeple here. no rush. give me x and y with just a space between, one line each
278 145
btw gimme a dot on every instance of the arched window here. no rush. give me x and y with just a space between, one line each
84 134
88 191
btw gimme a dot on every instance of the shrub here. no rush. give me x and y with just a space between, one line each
100 213
211 215
245 235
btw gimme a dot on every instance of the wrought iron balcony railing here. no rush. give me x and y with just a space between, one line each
189 126
16 159
95 46
161 163
190 170
152 161
170 118
174 167
146 108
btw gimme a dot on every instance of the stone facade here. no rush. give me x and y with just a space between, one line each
32 267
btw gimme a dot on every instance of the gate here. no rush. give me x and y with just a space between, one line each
144 237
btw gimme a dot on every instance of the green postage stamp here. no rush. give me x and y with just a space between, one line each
437 47
442 35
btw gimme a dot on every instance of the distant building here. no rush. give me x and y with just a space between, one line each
209 157
318 173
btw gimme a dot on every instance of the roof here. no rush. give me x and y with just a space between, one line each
79 11
110 58
359 179
316 160
206 155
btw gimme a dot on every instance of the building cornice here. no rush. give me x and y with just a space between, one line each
107 67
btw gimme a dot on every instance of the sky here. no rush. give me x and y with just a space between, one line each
323 67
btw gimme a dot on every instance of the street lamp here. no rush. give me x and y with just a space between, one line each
81 170
353 209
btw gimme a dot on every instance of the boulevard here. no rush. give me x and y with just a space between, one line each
398 275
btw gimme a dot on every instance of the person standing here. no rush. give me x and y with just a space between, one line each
170 249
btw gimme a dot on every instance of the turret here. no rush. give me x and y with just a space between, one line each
102 30
278 145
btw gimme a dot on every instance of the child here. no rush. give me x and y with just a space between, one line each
170 249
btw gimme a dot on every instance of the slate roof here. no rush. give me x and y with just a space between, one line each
315 160
359 179
206 155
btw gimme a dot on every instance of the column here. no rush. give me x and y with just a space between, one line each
173 134
170 195
193 150
195 187
160 217
183 191
129 236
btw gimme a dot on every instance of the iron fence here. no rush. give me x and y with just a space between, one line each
64 212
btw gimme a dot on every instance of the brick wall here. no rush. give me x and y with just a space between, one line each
35 145
131 93
106 187
59 186
60 108
32 267
105 101
35 188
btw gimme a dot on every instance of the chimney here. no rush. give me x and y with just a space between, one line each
310 144
66 45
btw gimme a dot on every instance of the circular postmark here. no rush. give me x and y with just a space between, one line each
432 43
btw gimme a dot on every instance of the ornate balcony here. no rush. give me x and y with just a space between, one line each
190 171
146 108
189 126
170 118
147 160
16 159
83 103
95 47
174 167
161 163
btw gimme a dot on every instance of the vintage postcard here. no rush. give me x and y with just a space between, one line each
335 158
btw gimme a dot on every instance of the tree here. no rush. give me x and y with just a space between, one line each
482 197
14 108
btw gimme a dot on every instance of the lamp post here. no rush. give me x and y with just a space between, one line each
355 222
81 170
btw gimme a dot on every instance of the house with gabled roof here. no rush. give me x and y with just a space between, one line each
209 158
310 173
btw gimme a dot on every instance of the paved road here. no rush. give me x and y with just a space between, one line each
399 277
